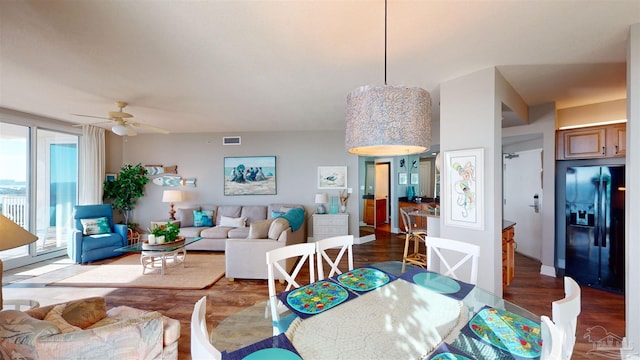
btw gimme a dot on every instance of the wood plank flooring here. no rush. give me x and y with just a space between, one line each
529 289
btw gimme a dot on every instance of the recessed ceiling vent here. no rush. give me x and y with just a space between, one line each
231 140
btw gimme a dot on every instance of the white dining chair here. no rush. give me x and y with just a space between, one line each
470 253
201 347
415 234
275 260
565 315
551 340
345 245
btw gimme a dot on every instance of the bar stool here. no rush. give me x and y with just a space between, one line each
415 234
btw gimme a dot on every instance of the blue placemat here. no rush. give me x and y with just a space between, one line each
363 279
315 298
449 352
516 335
276 347
444 285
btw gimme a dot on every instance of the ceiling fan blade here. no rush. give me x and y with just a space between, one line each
131 132
91 116
150 127
96 123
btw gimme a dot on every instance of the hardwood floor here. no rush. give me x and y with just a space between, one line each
529 290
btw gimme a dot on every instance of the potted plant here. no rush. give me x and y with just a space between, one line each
125 190
165 233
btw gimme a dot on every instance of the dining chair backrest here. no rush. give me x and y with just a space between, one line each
470 253
345 245
551 339
565 315
201 347
276 258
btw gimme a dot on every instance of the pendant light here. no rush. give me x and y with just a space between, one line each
388 120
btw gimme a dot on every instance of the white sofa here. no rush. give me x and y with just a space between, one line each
245 257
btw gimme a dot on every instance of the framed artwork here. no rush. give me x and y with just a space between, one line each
464 188
254 175
110 177
414 178
332 177
402 178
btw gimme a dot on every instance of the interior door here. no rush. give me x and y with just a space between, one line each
522 181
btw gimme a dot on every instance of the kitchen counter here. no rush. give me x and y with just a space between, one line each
506 224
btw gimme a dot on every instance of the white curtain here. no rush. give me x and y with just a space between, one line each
92 165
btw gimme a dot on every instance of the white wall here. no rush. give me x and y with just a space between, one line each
298 154
632 234
470 117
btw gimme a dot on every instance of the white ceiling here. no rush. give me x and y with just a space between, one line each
231 66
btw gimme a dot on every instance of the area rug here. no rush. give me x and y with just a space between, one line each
200 271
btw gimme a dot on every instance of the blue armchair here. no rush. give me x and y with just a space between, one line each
86 248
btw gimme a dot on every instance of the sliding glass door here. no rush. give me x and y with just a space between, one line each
14 161
38 187
56 187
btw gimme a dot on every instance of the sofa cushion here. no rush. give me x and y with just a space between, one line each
238 233
259 229
234 211
85 312
235 222
216 232
254 213
55 316
277 227
19 332
185 215
171 327
202 218
192 231
95 226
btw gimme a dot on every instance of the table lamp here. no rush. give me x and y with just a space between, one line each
321 199
172 196
12 236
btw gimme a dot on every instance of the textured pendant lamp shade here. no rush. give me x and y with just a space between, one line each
388 120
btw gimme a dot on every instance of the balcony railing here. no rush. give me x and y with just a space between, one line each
15 208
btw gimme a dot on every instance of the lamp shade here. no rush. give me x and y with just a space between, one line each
172 196
13 235
120 130
388 120
322 198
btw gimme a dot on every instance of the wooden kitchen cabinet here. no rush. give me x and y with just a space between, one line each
508 255
591 143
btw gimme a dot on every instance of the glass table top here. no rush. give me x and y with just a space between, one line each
137 247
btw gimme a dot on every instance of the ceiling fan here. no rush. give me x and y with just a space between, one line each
124 123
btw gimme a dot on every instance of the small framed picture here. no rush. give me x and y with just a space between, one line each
414 178
110 177
402 179
332 177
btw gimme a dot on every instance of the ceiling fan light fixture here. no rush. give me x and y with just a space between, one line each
120 130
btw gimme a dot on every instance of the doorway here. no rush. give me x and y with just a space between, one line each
522 199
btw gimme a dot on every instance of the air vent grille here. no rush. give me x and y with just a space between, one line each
231 140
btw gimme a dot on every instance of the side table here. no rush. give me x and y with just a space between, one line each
329 225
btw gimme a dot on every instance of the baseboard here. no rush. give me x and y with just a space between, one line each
548 270
364 239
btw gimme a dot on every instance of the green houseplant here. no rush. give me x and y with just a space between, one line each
125 190
169 231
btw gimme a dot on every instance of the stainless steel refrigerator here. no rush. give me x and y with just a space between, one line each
594 219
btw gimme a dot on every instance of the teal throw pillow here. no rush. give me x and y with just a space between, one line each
95 226
202 218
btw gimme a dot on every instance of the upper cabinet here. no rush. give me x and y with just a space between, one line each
592 142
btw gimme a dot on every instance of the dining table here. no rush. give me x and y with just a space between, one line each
379 311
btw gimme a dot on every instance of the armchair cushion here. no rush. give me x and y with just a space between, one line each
95 226
55 316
